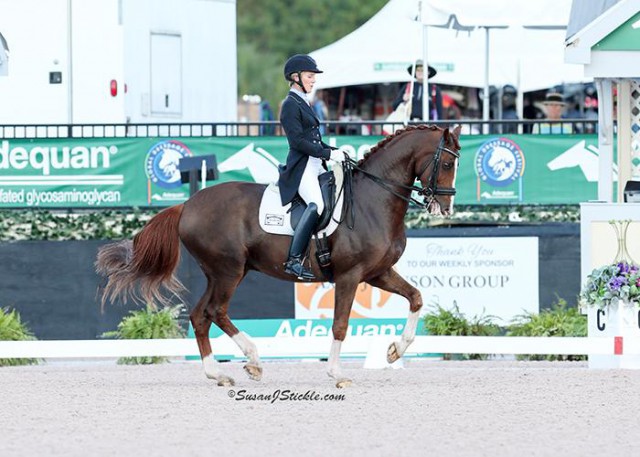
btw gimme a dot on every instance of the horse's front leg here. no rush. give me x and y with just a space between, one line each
345 293
391 281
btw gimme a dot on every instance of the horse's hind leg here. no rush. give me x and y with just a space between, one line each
248 348
391 281
201 322
216 310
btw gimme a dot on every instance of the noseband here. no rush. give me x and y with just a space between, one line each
428 192
432 189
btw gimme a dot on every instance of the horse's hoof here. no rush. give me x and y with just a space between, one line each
342 383
254 371
392 353
226 381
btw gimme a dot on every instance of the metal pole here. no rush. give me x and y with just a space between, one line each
425 69
486 98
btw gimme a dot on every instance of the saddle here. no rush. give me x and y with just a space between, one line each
282 220
328 189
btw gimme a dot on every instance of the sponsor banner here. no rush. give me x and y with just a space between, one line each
286 328
491 276
107 172
312 327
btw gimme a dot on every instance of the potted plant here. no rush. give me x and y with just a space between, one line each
611 297
614 284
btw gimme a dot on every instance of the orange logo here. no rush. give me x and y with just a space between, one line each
318 299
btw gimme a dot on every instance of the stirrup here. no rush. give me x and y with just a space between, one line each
296 268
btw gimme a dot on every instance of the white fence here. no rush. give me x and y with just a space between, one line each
318 347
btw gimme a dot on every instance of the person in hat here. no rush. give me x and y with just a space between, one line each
435 102
306 159
554 105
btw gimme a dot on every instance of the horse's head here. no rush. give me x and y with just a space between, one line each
436 167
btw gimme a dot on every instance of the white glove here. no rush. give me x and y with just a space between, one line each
337 155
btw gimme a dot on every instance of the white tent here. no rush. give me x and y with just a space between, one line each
525 53
4 56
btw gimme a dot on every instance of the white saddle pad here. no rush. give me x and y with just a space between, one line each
275 218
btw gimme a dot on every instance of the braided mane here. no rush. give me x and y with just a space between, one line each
382 143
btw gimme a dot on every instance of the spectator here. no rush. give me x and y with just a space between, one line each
509 111
321 110
530 111
554 105
266 114
435 102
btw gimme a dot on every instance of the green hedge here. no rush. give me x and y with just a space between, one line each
116 224
559 320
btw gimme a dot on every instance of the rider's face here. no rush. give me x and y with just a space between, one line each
308 80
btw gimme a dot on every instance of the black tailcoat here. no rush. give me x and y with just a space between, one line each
300 124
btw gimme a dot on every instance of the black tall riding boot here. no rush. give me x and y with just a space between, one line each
299 243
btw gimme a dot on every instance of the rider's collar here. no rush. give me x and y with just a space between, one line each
300 94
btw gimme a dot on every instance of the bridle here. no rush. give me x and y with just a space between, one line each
429 192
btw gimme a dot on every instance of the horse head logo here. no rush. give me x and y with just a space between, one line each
585 157
162 163
502 163
262 166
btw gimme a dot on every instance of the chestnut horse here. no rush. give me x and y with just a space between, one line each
219 227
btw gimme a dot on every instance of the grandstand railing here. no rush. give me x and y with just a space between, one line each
269 128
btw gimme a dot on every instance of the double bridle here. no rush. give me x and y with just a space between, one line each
429 192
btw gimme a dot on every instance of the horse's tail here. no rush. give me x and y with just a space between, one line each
143 269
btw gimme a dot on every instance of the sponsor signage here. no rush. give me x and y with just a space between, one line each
107 172
311 327
301 328
493 276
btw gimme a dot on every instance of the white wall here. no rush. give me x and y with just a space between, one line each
97 58
110 39
209 65
37 35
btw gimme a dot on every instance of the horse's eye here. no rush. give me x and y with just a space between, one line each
447 165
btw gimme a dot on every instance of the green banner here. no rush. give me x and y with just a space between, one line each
112 172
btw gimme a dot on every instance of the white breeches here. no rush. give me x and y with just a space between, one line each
309 188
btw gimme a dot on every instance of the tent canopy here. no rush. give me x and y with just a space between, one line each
527 50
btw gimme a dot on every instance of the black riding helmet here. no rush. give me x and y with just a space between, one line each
298 64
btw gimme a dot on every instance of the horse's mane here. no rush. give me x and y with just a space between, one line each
382 143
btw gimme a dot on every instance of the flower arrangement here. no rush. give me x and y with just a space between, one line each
610 284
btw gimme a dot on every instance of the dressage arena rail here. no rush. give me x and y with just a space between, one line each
264 128
318 347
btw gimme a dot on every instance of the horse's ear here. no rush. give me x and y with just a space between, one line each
456 131
447 135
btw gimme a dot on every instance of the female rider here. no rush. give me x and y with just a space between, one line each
306 158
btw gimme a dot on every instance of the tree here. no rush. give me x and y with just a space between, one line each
269 31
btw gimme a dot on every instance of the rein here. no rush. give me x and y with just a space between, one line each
428 192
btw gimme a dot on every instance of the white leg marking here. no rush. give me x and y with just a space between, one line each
334 369
211 367
409 333
247 347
